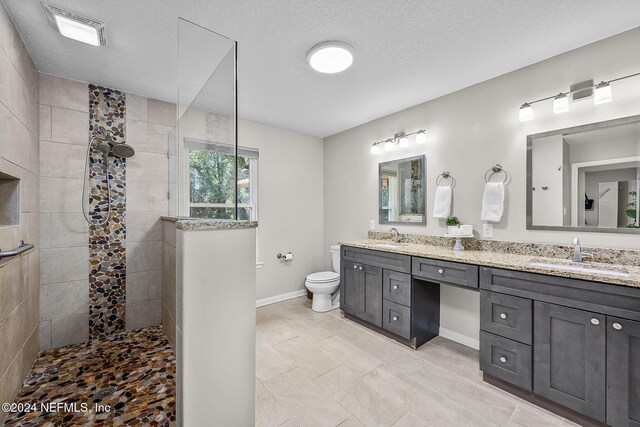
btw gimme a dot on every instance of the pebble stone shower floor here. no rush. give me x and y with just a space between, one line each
132 372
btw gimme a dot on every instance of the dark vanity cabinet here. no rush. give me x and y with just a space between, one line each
377 288
585 342
569 350
361 291
623 372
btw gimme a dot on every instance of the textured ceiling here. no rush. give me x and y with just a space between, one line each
406 51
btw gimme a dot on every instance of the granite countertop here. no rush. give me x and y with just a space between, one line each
507 261
188 224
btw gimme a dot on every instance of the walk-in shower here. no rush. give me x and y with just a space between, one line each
105 144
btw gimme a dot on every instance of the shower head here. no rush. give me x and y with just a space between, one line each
122 150
103 147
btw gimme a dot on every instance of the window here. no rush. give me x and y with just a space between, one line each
210 167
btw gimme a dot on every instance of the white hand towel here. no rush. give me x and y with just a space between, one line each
493 202
442 203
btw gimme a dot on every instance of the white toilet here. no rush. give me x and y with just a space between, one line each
324 285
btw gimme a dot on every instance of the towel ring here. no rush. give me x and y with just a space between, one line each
497 168
445 175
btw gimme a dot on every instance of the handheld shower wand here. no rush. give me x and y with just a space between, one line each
107 145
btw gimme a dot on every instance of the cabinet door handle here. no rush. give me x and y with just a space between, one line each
441 271
503 316
395 318
595 321
361 268
395 287
503 359
617 326
355 266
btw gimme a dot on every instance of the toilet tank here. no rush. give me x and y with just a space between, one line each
335 258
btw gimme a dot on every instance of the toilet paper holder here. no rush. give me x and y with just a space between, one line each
285 257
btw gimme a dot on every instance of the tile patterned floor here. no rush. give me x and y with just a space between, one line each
319 369
133 373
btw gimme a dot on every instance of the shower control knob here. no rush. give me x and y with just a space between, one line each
503 315
395 318
503 359
595 321
441 271
355 266
617 326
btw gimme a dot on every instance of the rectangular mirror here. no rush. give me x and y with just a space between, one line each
401 185
585 178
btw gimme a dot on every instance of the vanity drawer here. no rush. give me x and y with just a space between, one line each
506 359
445 272
388 260
396 287
396 318
506 315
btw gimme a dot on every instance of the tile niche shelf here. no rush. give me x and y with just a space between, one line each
9 200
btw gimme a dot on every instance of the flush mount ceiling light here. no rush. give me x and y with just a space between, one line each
330 57
601 94
400 140
74 26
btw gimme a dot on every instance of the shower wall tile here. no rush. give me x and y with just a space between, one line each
137 287
137 196
144 256
69 126
64 299
45 335
68 230
150 167
148 137
158 197
162 113
45 230
144 226
59 160
64 93
19 157
45 123
60 195
144 314
137 108
155 284
62 265
69 330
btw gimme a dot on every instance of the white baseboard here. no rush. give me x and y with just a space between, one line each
278 298
459 338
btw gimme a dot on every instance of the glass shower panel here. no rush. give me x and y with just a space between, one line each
203 146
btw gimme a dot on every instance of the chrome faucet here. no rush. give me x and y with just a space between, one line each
396 237
578 255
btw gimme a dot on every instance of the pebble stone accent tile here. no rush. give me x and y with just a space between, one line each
132 372
107 278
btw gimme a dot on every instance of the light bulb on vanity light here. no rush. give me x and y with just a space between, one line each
388 145
375 149
421 137
526 112
602 93
560 103
403 141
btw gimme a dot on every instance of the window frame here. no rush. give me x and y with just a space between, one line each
212 146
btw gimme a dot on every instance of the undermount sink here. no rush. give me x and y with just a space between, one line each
581 268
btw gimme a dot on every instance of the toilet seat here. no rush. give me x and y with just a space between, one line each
323 277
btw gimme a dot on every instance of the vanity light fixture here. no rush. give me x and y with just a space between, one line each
601 93
400 140
560 103
330 57
74 26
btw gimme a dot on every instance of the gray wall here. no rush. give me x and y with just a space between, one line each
64 234
469 131
19 296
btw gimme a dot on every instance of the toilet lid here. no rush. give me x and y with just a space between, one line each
323 276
